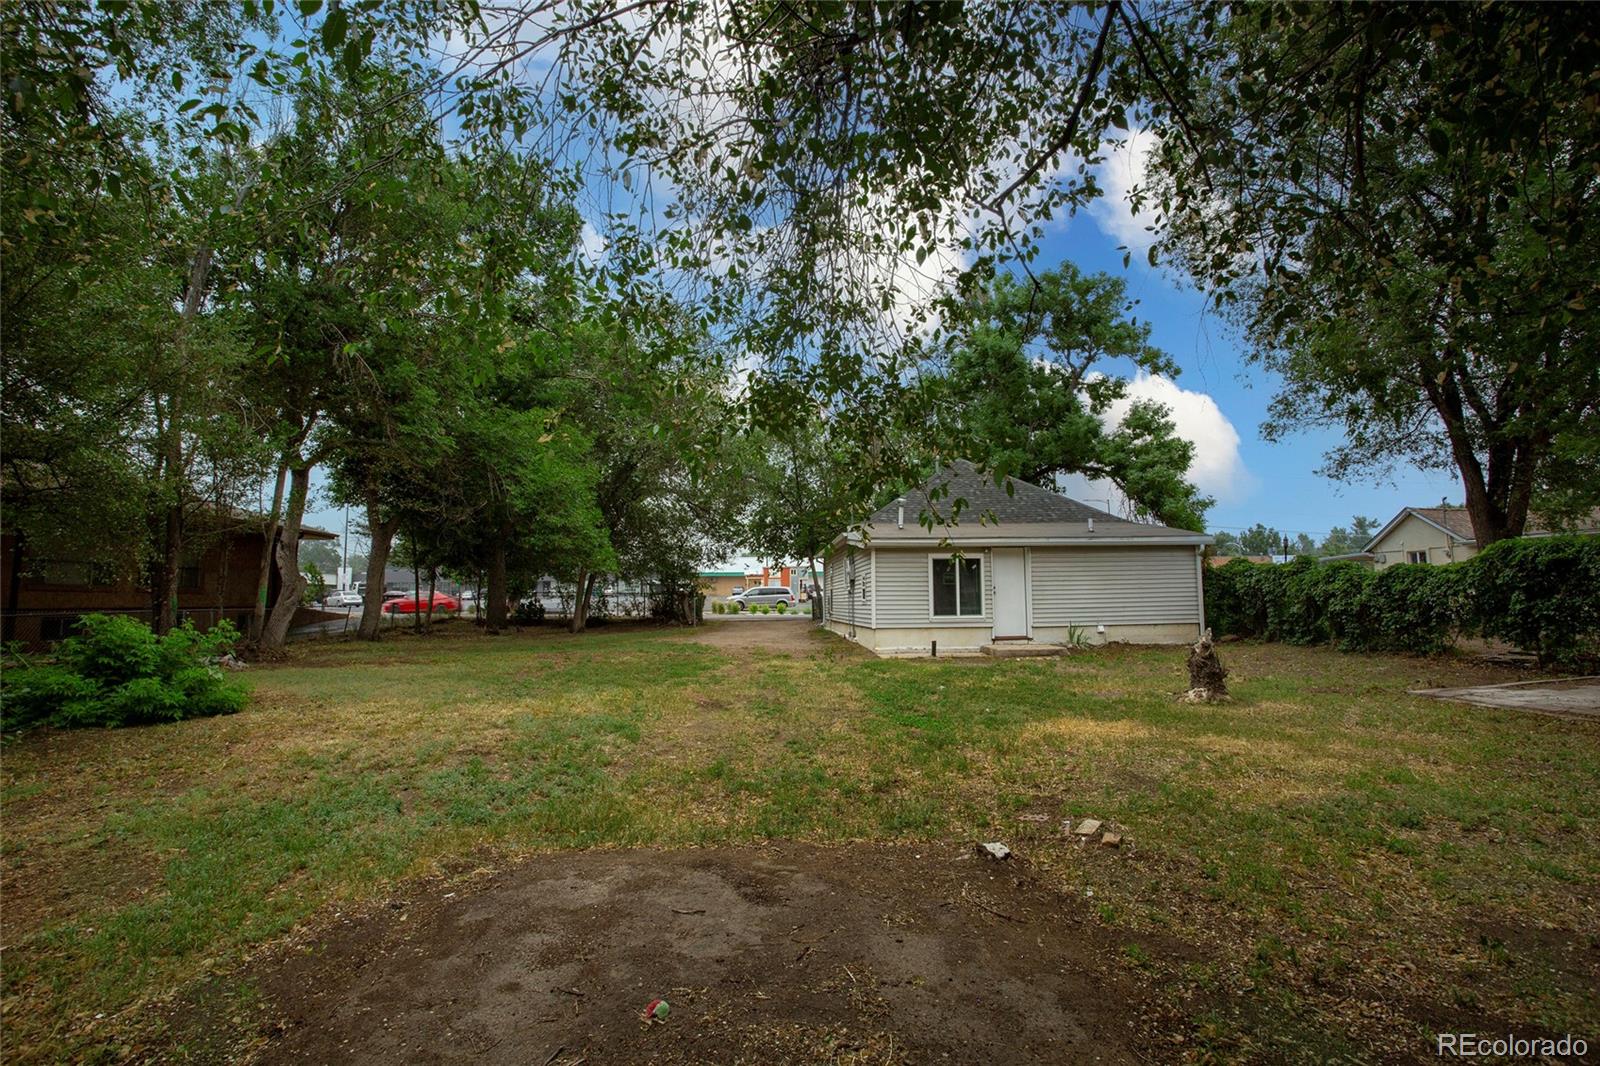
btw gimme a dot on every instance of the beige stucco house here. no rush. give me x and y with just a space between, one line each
1439 535
1024 566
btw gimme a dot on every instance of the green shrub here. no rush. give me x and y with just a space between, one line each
1541 594
717 608
781 608
1413 607
116 672
764 609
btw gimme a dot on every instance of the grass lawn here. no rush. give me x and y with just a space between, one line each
1326 864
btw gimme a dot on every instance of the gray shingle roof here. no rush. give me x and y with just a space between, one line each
1026 503
990 510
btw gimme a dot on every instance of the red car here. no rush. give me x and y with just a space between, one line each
409 604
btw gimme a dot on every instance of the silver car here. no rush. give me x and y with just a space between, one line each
764 596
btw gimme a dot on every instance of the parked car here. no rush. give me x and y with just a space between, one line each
738 590
406 603
343 598
764 596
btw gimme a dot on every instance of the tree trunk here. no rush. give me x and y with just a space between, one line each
258 611
13 588
224 561
583 592
817 611
497 583
382 533
291 582
416 590
433 581
1206 673
165 590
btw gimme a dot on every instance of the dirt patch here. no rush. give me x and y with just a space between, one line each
781 636
775 954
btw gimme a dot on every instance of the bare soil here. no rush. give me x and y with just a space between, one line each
786 953
779 635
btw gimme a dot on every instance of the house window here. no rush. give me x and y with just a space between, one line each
957 587
189 577
1417 557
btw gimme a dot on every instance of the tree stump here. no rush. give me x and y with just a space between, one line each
1206 673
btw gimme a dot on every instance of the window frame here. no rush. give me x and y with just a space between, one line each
983 591
1412 557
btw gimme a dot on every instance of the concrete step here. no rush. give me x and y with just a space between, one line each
1021 650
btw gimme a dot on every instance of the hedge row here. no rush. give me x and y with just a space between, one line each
1541 594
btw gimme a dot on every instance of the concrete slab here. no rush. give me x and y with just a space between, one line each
1022 651
1573 697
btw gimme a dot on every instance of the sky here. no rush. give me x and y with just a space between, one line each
1218 400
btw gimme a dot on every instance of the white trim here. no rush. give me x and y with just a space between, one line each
1408 512
957 619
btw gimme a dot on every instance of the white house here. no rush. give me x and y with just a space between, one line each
1443 535
1018 567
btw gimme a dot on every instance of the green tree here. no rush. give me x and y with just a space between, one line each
652 400
1032 380
1342 541
323 555
1260 540
1400 204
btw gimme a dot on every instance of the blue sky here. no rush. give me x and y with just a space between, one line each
1256 480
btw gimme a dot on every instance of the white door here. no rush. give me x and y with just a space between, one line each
1010 593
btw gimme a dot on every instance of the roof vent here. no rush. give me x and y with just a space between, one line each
1091 525
900 514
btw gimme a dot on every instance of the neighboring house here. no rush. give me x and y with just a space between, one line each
1440 535
1026 566
216 579
719 584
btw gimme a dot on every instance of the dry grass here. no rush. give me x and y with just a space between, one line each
1326 858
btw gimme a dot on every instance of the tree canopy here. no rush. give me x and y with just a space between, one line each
1031 382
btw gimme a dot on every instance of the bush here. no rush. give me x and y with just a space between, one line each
764 609
1541 594
117 672
529 612
781 608
717 608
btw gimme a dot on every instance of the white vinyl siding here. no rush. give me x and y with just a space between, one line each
1114 586
836 583
905 590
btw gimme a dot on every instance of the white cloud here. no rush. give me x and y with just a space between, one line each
593 242
1217 468
1124 171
